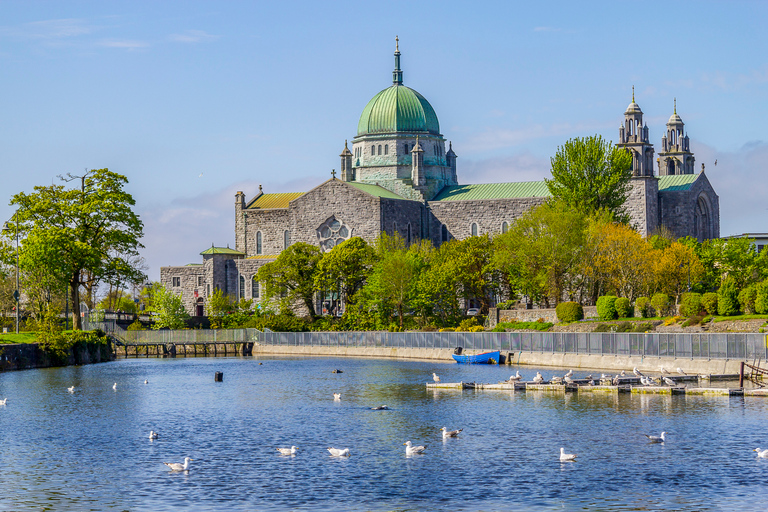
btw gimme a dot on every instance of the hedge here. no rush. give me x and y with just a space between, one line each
709 303
643 305
690 304
728 298
747 298
624 308
569 312
761 298
661 304
606 307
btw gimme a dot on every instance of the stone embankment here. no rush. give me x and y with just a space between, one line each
30 355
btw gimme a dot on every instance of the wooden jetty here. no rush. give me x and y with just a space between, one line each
191 349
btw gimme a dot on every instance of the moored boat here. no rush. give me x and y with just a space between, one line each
484 358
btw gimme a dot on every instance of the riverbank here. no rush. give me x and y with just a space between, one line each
24 356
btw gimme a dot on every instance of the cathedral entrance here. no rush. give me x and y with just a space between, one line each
199 309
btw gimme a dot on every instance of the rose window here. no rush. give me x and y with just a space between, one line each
331 233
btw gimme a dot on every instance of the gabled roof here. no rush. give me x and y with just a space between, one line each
375 190
677 182
265 201
221 250
483 191
263 257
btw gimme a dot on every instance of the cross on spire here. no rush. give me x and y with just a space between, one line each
333 173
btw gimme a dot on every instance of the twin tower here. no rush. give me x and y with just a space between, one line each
675 157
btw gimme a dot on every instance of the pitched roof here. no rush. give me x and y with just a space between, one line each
677 182
375 190
263 257
222 250
482 191
274 200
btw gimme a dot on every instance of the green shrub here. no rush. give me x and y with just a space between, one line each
747 298
728 298
624 308
507 304
136 326
466 324
661 304
690 304
643 305
694 320
569 312
761 298
477 328
451 329
606 307
517 326
709 302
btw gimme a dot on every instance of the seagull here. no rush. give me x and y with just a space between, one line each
616 380
538 379
622 373
680 371
435 377
604 376
175 466
337 397
288 451
114 386
336 452
637 372
411 450
152 434
657 439
450 433
569 374
589 377
669 381
568 380
761 454
201 175
517 376
663 370
566 457
2 402
380 408
146 381
71 389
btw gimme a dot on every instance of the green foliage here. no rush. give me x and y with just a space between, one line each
690 304
291 277
590 174
50 336
761 298
118 300
168 308
345 268
477 328
606 307
709 302
136 326
519 326
467 324
90 230
568 312
661 304
507 304
625 327
747 297
623 308
728 298
694 320
643 305
279 322
736 258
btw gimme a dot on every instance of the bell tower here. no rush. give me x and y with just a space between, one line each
675 156
633 136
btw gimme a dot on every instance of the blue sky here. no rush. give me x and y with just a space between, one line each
196 100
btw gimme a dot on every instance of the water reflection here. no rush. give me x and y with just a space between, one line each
89 450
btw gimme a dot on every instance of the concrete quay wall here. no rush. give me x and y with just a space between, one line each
538 359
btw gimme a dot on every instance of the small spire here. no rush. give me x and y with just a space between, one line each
397 74
397 44
675 105
260 189
345 144
633 94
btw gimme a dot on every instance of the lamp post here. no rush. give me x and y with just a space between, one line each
16 294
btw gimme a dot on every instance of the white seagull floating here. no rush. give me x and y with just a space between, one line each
2 402
435 377
175 466
146 381
450 433
288 451
114 386
412 450
337 452
71 389
337 397
152 434
762 454
566 457
657 439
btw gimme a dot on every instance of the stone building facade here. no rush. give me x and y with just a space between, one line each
398 177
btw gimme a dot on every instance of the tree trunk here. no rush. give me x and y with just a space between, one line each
74 289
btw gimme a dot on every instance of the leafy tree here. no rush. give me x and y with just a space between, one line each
88 230
118 299
470 260
438 288
677 269
168 308
345 268
733 257
291 276
624 259
219 306
590 174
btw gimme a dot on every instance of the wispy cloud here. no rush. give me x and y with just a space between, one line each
497 138
49 29
192 36
520 167
731 82
127 44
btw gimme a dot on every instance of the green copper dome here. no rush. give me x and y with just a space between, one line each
398 109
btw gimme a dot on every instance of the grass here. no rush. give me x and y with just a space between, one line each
22 337
741 317
630 319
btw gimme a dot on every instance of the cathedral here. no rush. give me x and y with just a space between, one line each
398 177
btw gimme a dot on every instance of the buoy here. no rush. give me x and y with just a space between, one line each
218 377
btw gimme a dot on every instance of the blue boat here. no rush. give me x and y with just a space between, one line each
484 358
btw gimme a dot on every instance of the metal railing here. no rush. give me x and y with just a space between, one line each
683 345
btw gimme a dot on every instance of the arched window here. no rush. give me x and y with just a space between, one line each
504 227
444 233
258 242
242 287
286 239
405 148
379 148
254 288
386 149
473 229
373 150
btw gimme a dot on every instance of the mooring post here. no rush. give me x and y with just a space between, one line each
218 377
741 375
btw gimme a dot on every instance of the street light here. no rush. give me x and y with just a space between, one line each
16 295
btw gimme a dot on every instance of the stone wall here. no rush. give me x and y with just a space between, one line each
530 315
677 209
191 277
642 204
29 355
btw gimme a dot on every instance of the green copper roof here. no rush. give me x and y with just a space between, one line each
676 182
493 191
398 109
375 190
274 200
222 250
